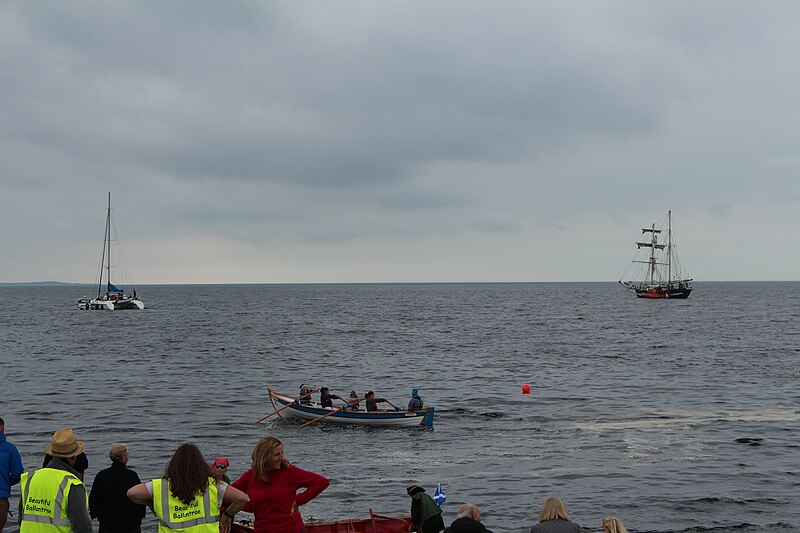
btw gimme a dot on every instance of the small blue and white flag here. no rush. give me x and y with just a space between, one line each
439 496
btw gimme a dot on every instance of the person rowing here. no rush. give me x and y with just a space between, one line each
354 401
326 398
305 395
372 402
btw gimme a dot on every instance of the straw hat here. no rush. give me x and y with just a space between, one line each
64 444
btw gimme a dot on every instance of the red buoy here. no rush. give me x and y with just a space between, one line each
526 389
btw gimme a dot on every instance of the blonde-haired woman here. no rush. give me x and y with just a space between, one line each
553 518
272 484
613 525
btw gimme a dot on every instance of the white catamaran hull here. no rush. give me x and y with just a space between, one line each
115 305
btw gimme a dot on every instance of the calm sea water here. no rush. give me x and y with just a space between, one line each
636 410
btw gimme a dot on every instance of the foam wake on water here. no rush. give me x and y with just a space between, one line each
659 418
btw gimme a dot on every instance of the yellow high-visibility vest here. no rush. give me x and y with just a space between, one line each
45 494
174 516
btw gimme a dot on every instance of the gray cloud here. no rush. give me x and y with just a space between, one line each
286 125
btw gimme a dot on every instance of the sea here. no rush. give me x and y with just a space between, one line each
673 415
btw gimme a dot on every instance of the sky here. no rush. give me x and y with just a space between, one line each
397 141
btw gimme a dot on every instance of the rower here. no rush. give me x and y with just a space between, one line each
415 403
326 398
372 402
305 395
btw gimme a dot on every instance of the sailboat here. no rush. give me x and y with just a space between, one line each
113 298
660 271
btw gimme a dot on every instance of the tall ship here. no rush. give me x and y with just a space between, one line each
659 273
110 297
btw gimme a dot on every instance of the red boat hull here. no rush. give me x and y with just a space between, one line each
375 524
661 292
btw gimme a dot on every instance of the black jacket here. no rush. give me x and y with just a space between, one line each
109 502
466 525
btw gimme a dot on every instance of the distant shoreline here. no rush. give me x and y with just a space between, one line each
240 284
41 283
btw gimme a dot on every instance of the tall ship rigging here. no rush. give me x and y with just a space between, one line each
659 272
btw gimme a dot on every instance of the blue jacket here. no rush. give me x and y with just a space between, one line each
10 466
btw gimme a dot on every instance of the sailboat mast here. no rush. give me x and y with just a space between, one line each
669 247
108 239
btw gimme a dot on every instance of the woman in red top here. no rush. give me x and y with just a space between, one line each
272 485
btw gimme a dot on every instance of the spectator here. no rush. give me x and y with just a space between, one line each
426 516
613 525
468 521
108 499
553 518
39 510
10 472
187 498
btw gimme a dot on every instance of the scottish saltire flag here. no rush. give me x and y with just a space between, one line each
439 496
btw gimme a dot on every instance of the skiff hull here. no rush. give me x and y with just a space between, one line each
375 524
362 418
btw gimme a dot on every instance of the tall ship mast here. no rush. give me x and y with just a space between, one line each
660 273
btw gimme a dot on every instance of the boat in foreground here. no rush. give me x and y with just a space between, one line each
660 273
373 524
114 298
288 406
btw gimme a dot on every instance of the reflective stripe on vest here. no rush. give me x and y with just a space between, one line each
201 515
45 495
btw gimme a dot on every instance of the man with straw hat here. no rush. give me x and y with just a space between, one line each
53 498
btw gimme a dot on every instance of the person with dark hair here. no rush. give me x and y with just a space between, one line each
272 484
80 466
553 518
371 402
354 401
426 516
108 499
305 394
187 498
468 521
326 398
10 471
54 498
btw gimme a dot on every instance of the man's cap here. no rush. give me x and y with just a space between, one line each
414 392
414 489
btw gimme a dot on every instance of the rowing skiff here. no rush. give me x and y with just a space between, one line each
286 405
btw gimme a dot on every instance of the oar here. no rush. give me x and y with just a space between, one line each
393 405
282 408
350 403
335 410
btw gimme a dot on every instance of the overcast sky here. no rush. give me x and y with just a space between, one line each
373 141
